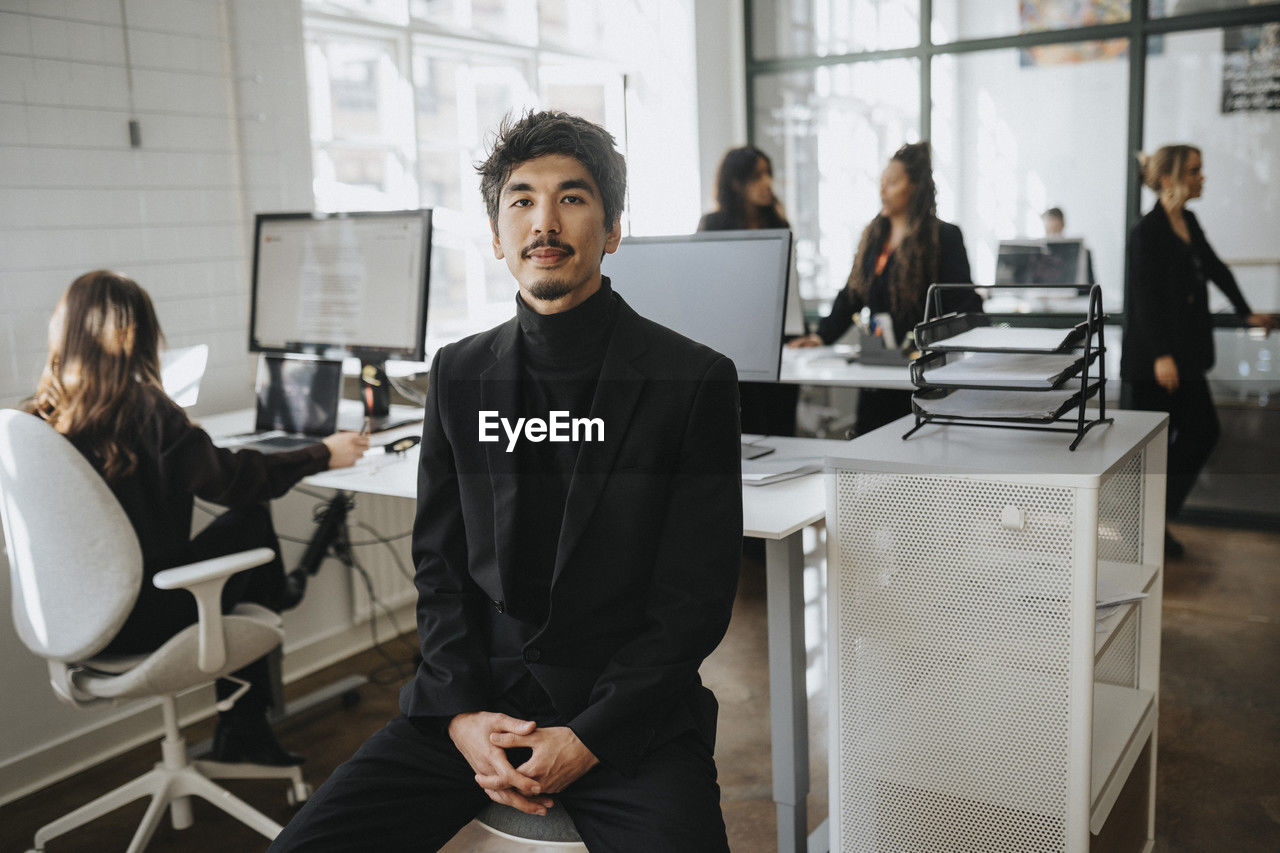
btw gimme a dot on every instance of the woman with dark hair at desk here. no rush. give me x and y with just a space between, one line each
101 389
744 201
902 251
1168 344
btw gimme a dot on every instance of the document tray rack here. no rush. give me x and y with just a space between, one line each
996 371
974 372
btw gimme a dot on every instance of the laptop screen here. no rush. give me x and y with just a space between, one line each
298 395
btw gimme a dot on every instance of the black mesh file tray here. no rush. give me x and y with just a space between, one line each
999 405
975 372
998 371
978 333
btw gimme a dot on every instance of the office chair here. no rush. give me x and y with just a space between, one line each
76 569
556 829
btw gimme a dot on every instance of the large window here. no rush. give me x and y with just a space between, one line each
405 95
1209 88
1004 152
832 27
831 131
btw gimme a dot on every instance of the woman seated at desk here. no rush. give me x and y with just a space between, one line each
904 249
101 389
745 201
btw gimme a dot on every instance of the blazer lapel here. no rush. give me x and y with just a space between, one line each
499 391
617 391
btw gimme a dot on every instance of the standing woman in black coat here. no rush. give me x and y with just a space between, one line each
1168 345
745 200
101 389
902 251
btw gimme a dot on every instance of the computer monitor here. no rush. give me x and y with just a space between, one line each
343 284
725 289
1054 260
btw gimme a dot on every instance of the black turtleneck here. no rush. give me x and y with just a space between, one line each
560 359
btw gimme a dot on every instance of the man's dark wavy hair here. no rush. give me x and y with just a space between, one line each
537 134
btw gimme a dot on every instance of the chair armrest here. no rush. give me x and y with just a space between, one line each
205 580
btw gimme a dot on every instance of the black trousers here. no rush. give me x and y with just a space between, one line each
159 614
409 788
1193 431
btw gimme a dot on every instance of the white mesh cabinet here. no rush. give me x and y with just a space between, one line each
978 704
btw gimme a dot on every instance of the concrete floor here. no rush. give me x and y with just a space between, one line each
1219 746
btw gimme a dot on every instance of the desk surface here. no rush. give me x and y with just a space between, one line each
774 511
827 366
1038 456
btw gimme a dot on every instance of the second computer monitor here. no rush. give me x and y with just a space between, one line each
1055 260
724 289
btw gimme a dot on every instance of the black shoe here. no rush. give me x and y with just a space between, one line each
1173 549
248 739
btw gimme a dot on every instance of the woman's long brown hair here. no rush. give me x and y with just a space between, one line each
915 266
104 351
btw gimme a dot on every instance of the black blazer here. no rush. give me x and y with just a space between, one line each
1169 297
649 549
953 268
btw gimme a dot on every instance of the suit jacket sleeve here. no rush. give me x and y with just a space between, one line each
231 478
695 577
1151 310
453 677
840 318
953 268
1218 272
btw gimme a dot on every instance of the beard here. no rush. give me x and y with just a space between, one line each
550 289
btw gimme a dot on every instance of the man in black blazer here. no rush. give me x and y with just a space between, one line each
576 542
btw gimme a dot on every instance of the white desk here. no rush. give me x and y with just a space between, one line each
827 366
777 513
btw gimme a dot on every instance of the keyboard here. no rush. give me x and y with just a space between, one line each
278 443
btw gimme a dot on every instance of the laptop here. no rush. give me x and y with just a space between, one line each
297 403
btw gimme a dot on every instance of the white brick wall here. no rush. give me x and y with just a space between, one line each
175 213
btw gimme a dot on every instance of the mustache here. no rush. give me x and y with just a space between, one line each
548 242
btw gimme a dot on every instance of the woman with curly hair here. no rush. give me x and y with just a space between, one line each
101 389
902 251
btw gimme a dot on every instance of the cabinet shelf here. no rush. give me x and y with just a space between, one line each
1123 719
1116 578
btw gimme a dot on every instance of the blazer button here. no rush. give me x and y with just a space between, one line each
500 606
531 655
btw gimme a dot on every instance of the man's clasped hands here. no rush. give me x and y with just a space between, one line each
558 759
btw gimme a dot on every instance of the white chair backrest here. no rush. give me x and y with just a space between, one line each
74 561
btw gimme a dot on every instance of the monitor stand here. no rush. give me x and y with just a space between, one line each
375 389
375 393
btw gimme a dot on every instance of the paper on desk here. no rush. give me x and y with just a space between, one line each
1110 593
971 403
1006 369
761 472
1008 338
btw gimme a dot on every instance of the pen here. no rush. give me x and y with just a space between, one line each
367 427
